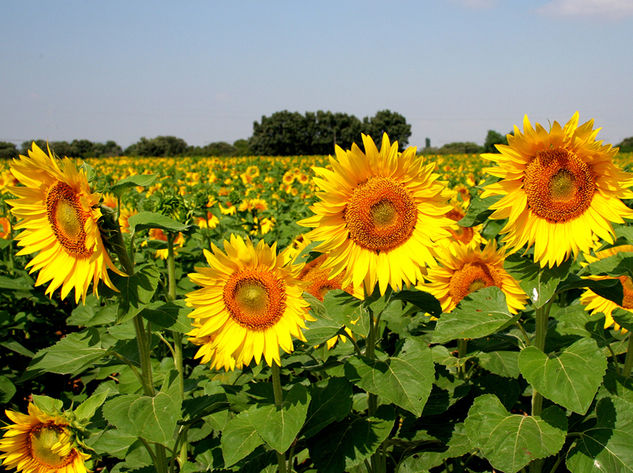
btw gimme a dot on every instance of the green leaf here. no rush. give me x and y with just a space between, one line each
623 317
145 220
15 346
7 389
142 180
136 291
279 427
346 311
71 355
343 445
538 283
48 404
502 363
404 380
570 379
21 283
170 315
617 265
608 288
478 211
324 327
605 446
479 314
511 441
113 442
331 402
425 301
87 409
152 418
239 438
92 315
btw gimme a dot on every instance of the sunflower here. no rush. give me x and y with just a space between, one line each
379 214
558 189
463 269
466 235
40 443
249 305
58 215
595 303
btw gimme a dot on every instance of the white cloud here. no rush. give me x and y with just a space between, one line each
602 8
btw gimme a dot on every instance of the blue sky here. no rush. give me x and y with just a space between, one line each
205 70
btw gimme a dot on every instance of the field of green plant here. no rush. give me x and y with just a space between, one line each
373 311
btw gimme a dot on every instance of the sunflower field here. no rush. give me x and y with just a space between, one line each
371 311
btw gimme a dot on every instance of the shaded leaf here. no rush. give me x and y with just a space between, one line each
330 401
145 220
478 211
169 315
538 283
239 438
502 363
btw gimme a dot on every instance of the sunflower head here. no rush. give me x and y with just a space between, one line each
559 189
58 214
595 303
463 269
40 442
378 215
248 307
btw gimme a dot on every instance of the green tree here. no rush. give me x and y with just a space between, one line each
281 134
460 147
494 138
82 148
242 147
392 123
8 150
159 146
626 145
109 148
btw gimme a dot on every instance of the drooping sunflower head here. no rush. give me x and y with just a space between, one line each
58 214
463 269
249 305
38 442
559 189
595 303
379 214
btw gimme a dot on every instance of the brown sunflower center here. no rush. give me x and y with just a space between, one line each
559 185
255 299
67 219
380 215
470 278
42 439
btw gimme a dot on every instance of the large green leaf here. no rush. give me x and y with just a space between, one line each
478 211
479 314
404 380
343 445
511 441
538 283
71 355
324 327
239 438
502 363
152 418
133 181
570 379
346 311
331 401
168 315
136 291
616 265
279 427
144 220
8 390
607 446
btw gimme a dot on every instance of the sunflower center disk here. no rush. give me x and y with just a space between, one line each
559 186
255 300
42 440
67 219
472 277
380 215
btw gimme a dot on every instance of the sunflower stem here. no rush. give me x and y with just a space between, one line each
372 399
628 361
462 349
279 399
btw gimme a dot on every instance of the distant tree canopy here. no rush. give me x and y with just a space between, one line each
291 133
626 145
159 146
8 150
494 138
76 148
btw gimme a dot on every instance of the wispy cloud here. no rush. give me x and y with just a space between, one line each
597 8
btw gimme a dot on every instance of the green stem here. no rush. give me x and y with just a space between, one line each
372 399
628 362
279 399
542 318
462 349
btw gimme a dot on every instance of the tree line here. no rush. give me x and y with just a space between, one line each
283 133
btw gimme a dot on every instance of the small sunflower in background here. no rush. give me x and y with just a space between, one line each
379 215
250 305
58 214
559 189
595 303
463 269
39 442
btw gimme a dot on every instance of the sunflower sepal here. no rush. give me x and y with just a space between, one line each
48 405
